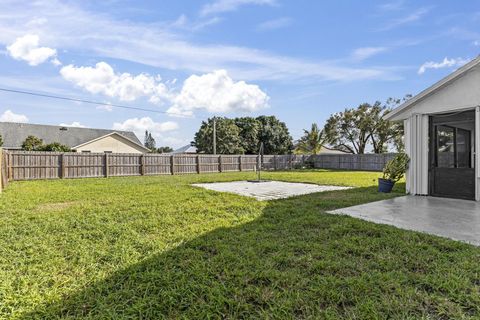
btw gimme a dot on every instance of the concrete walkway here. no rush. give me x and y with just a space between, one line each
450 218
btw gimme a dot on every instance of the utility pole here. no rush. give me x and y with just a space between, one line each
214 136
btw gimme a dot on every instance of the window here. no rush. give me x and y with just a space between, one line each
453 147
86 151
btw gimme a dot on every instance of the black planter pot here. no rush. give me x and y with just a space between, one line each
385 185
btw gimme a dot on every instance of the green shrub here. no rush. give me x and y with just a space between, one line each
55 147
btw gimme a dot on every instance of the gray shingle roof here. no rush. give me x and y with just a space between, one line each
14 134
186 149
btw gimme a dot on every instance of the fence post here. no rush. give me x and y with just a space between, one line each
240 163
106 164
172 165
219 163
197 159
275 162
62 166
142 164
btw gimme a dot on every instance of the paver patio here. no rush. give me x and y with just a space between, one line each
268 190
450 218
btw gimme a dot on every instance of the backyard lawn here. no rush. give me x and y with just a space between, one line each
155 247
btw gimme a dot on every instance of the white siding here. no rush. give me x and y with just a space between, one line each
477 150
416 146
111 143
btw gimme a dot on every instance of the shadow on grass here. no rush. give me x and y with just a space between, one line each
294 261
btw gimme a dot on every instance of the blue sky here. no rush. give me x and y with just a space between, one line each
299 60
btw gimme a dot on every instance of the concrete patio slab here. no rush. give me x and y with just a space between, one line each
268 190
450 218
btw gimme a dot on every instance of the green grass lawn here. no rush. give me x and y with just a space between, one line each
155 247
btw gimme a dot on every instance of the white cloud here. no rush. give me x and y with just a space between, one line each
412 17
27 48
74 124
9 116
217 92
140 125
392 5
274 24
446 63
361 54
103 79
219 6
98 34
185 24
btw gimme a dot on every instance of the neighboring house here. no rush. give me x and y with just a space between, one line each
442 136
188 149
327 150
78 139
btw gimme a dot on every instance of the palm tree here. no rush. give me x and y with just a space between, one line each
312 141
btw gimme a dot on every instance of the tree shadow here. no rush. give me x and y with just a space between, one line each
294 261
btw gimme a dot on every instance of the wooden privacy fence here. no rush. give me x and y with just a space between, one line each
367 162
31 165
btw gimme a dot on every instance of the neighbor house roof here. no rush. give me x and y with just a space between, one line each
328 150
186 149
395 114
14 134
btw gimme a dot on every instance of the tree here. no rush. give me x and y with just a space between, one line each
164 150
384 132
274 135
350 130
227 133
55 147
32 143
1 140
312 141
249 133
149 141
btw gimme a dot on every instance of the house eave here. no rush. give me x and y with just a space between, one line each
397 114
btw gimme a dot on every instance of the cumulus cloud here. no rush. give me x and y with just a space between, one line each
361 54
213 92
446 63
219 6
124 86
74 124
140 125
9 116
27 48
217 92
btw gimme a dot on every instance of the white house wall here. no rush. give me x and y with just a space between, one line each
112 143
477 151
416 146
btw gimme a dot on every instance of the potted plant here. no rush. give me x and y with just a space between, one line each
393 172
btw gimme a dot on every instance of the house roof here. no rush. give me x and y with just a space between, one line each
395 114
328 150
14 134
186 149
